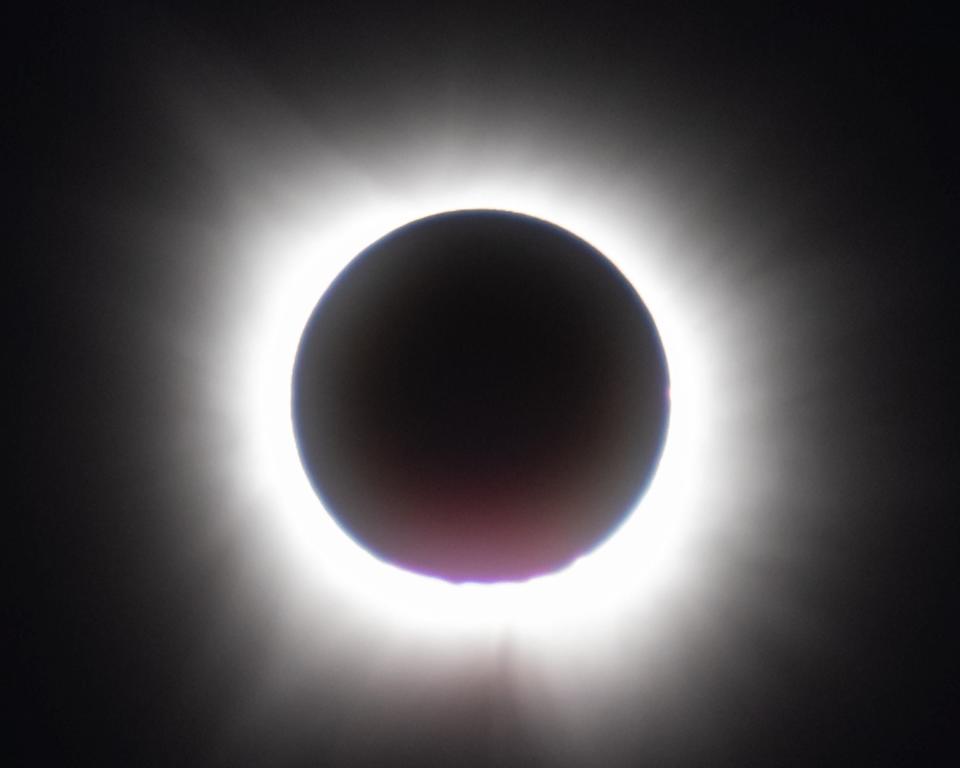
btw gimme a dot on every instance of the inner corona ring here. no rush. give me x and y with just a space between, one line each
480 396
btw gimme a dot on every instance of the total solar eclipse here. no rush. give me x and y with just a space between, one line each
480 396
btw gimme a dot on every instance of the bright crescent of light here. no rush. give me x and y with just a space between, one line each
292 266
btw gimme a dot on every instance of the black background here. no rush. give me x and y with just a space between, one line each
846 110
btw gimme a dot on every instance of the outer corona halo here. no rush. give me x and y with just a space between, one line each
480 396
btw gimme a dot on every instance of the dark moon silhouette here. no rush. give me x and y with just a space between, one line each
480 396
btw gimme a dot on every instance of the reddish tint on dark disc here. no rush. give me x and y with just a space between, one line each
480 396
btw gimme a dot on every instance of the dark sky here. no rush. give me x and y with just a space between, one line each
836 122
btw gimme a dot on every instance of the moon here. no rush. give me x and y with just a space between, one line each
480 396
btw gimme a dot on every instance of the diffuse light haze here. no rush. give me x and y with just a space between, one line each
656 463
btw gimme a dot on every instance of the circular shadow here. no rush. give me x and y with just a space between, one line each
480 396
